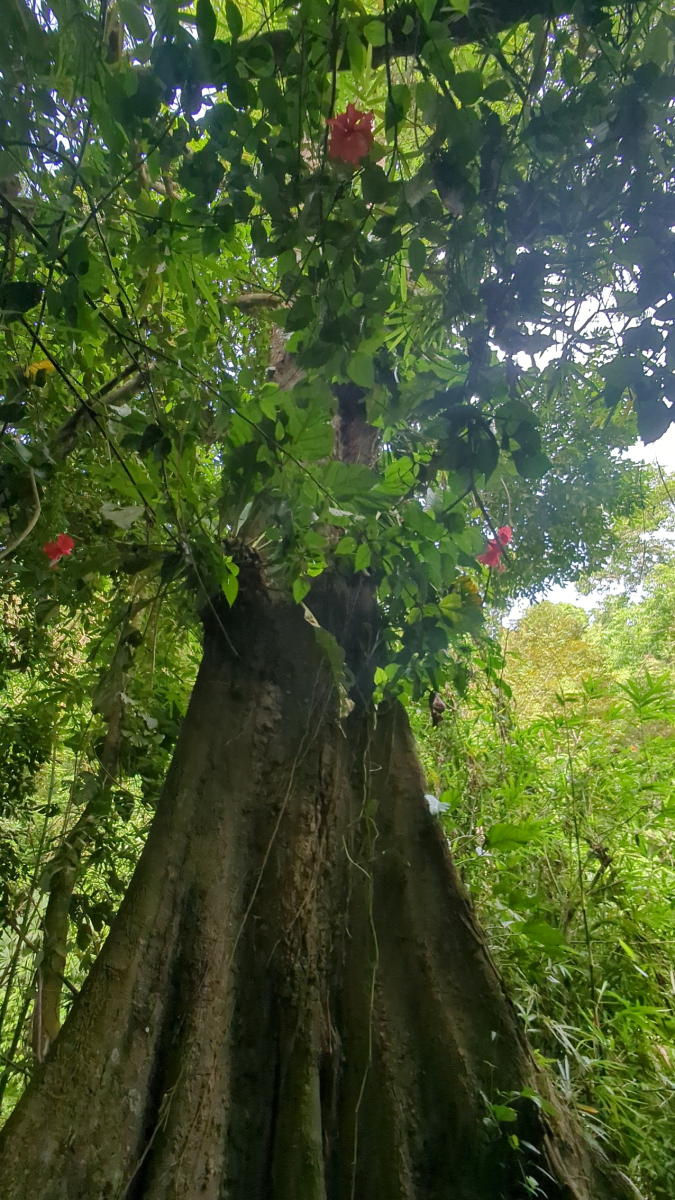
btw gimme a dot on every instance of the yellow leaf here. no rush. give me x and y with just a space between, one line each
32 370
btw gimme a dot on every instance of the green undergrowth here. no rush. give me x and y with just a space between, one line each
557 770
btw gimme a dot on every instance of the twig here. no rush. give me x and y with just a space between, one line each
32 521
486 516
110 394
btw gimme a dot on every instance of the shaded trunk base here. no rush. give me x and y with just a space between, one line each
295 1001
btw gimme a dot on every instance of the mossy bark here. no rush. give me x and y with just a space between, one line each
295 1001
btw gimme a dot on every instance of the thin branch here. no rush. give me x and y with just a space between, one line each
112 393
71 386
32 521
486 516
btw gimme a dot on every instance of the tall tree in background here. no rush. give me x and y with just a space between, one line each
274 289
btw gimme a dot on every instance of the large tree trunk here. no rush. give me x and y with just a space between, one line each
295 1001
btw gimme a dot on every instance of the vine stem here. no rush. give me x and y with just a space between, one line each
4 1079
32 521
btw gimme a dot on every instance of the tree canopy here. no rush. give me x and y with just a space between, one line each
192 275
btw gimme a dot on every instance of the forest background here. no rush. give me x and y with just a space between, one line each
129 487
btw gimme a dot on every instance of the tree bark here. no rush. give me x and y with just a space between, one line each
295 1001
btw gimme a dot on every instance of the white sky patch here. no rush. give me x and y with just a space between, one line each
564 593
661 453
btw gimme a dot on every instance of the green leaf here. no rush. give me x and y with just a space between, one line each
450 604
426 8
335 655
653 419
467 86
346 545
206 21
374 184
202 174
398 105
503 1112
638 250
344 480
300 589
122 517
399 477
311 432
531 466
543 934
301 314
316 355
417 256
622 372
656 47
461 6
19 298
363 557
77 256
361 370
135 20
427 98
273 98
571 69
229 582
12 412
260 58
513 413
234 19
357 54
498 89
438 53
451 798
627 949
506 835
375 33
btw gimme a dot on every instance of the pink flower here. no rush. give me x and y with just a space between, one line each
59 549
351 135
492 555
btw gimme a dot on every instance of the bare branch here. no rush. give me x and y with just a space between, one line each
37 509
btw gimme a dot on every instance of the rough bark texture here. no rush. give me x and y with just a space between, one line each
356 441
295 1001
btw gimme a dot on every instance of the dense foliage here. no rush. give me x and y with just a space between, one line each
557 774
171 202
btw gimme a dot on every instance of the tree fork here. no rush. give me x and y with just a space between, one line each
295 1001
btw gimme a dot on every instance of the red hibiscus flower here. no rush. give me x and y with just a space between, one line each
59 549
492 555
351 135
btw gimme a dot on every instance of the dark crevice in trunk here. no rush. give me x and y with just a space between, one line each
167 1065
